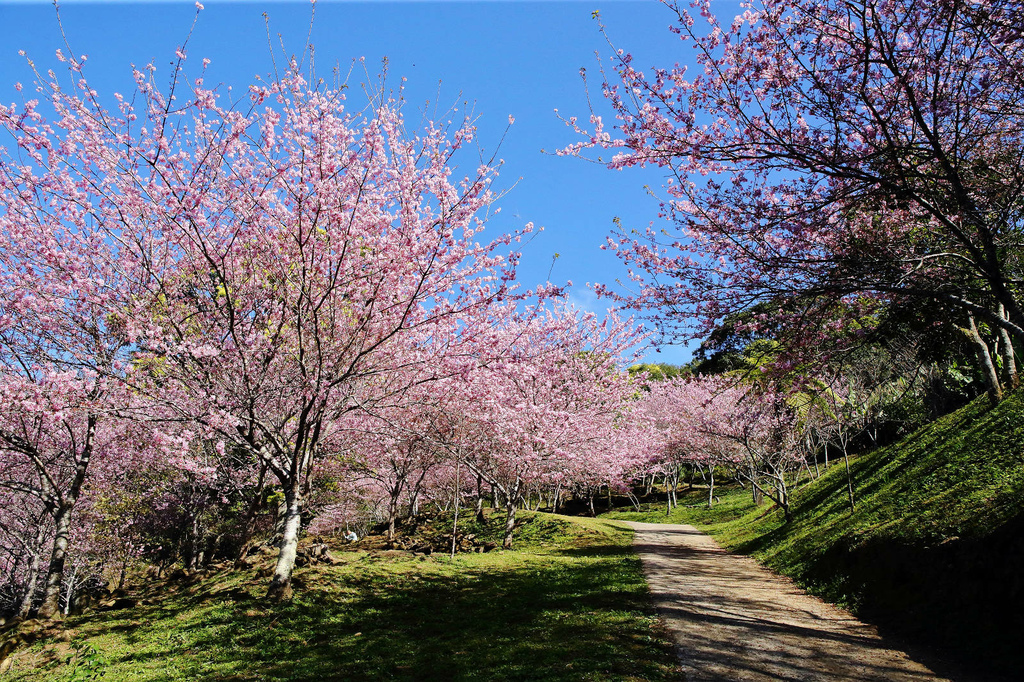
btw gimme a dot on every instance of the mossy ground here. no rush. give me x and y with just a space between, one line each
934 549
570 603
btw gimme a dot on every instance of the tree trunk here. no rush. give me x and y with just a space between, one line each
781 498
985 364
123 574
510 524
590 505
50 607
71 592
807 468
31 581
194 550
396 494
281 585
458 501
279 520
414 502
455 527
249 519
711 487
391 522
480 500
849 478
1006 352
781 491
213 546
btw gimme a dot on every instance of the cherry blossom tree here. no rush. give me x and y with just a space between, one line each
551 387
245 291
692 417
824 159
54 421
23 543
717 421
261 268
396 450
328 254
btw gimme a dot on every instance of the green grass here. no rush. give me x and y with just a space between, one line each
534 532
569 604
935 549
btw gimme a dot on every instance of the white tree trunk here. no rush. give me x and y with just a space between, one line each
985 364
281 585
1006 352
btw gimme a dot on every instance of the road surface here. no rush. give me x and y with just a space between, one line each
734 620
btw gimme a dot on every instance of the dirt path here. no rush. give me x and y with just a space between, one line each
734 620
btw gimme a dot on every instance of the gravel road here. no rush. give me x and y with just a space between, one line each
734 620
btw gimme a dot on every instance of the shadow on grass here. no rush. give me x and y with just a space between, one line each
962 600
574 614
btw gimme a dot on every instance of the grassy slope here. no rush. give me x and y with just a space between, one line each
569 604
935 548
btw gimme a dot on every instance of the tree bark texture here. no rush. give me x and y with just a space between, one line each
50 607
985 364
1007 354
711 487
31 580
510 523
281 584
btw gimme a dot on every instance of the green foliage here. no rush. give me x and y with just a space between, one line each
658 371
87 663
573 605
734 347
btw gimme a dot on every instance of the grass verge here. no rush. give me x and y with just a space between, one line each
569 604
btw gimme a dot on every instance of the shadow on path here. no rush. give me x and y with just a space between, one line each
734 620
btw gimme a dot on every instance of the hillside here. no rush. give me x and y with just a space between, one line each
570 603
934 550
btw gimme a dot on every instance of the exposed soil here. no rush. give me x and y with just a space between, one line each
734 620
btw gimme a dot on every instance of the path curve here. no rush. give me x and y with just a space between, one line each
732 619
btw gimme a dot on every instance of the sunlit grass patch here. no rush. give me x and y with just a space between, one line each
570 604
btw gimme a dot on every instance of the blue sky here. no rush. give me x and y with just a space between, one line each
499 58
